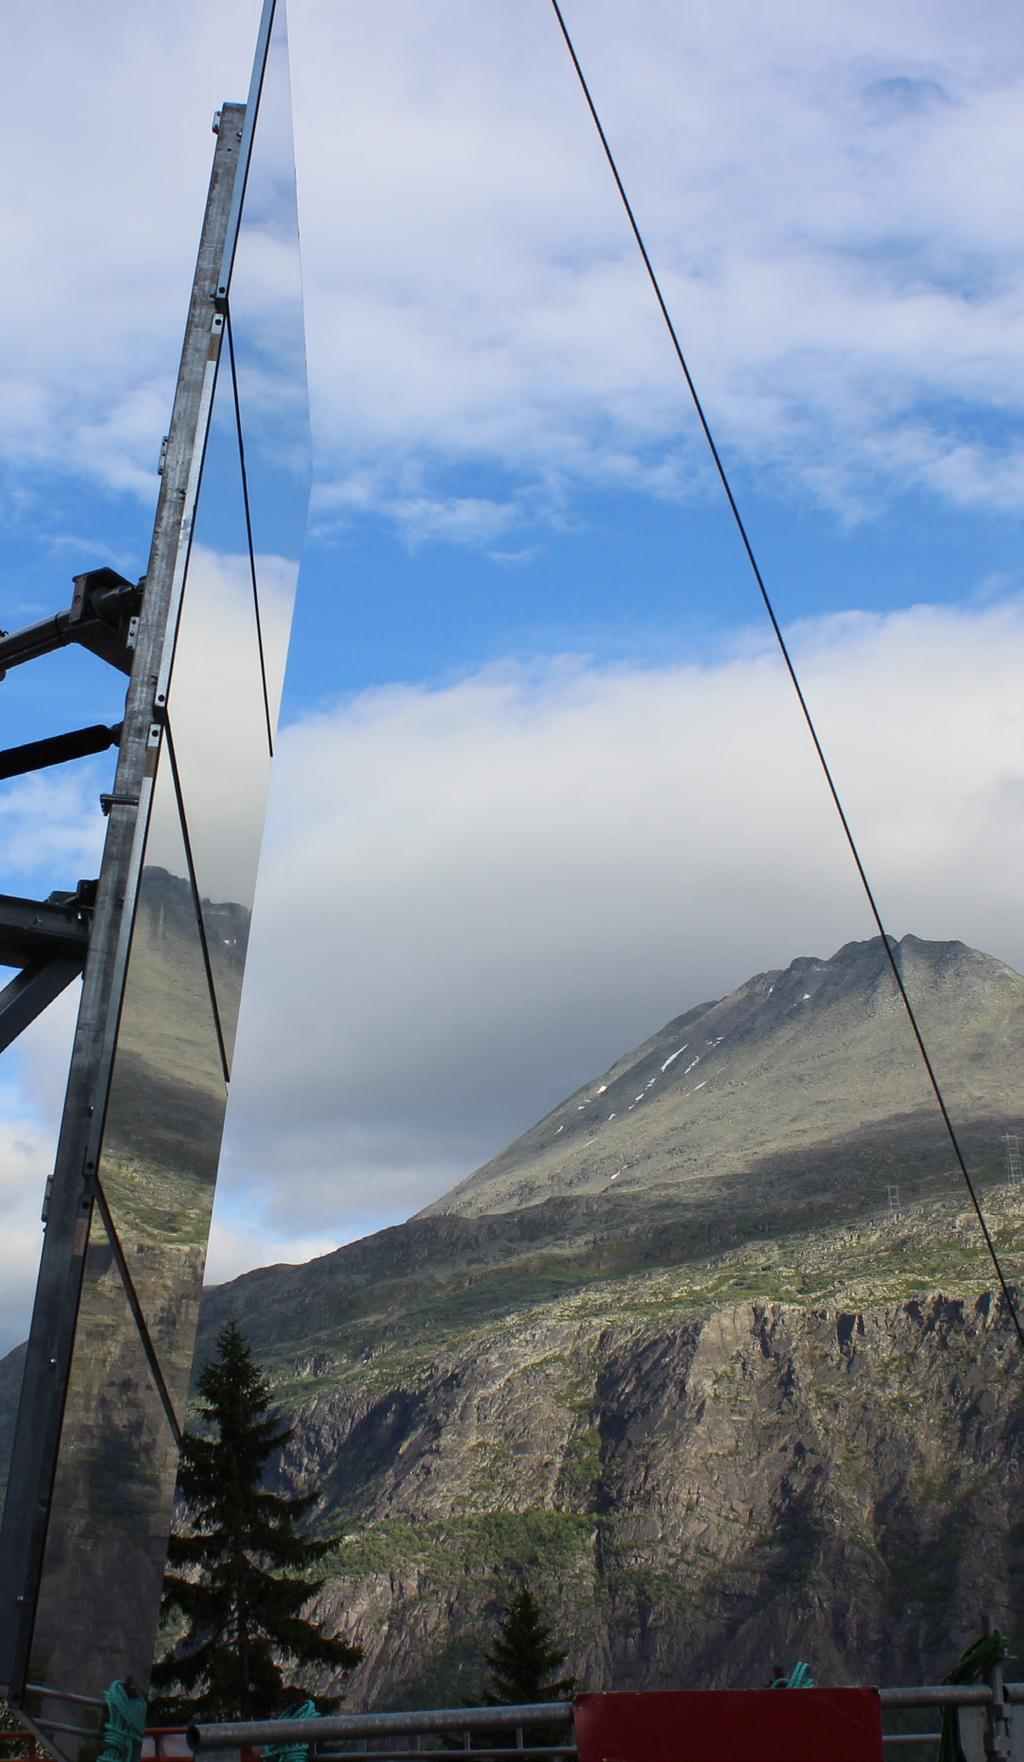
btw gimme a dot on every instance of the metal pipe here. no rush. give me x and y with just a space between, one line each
941 1694
997 1724
40 1688
58 749
37 639
352 1725
80 1731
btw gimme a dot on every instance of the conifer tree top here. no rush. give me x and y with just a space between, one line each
523 1657
246 1566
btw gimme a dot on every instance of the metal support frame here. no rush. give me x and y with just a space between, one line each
106 617
26 996
57 749
35 930
102 616
48 940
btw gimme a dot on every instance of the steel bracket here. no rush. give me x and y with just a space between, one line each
102 617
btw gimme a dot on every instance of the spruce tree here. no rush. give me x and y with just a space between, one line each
239 1569
523 1657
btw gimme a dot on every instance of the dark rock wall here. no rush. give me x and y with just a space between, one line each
694 1500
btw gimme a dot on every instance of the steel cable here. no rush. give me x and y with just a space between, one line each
791 670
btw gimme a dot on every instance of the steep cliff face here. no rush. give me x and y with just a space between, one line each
709 1356
694 1498
805 1443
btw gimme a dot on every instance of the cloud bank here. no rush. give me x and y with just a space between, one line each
474 897
830 196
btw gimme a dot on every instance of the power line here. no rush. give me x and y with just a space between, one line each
791 670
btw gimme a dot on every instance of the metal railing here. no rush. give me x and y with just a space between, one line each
346 1734
951 1694
991 1698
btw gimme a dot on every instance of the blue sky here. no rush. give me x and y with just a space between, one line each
540 785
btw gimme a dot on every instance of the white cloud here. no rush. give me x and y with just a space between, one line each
235 1248
30 1102
473 898
52 829
831 196
106 113
26 1157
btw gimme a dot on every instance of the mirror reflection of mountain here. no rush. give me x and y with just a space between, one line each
115 1478
166 1109
165 1116
158 1165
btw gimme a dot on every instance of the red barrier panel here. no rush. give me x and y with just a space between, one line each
731 1725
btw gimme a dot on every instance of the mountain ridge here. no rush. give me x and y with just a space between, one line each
685 1406
687 1411
853 1012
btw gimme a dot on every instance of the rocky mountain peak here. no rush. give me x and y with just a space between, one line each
793 1064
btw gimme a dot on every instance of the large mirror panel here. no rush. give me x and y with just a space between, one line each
267 355
97 1609
110 1513
217 725
227 681
99 1594
165 1116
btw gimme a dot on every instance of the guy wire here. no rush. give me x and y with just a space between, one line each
791 670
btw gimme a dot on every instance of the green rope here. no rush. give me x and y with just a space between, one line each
800 1677
124 1723
971 1666
292 1752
